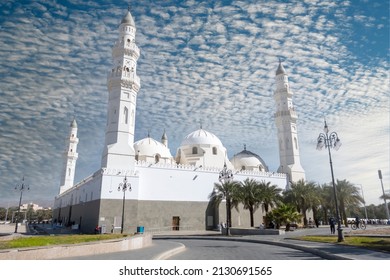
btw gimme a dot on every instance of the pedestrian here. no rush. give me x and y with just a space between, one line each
332 225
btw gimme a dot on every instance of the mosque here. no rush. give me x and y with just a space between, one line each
143 183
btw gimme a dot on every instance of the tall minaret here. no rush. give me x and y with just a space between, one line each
70 158
286 123
123 85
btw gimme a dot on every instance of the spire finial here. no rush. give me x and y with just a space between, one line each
244 147
148 133
201 125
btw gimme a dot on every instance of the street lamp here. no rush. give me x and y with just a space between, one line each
226 176
384 195
20 187
123 187
331 140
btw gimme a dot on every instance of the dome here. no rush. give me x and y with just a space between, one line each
73 124
150 147
201 137
128 19
248 161
280 69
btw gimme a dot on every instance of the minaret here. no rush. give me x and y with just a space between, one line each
123 86
286 123
70 158
164 139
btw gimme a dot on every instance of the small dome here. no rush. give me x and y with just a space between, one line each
201 137
73 124
248 161
280 69
150 147
128 19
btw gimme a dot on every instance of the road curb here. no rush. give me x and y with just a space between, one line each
167 254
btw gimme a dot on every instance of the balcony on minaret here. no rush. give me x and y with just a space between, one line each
127 48
290 112
128 76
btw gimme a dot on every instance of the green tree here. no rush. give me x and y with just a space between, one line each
250 196
270 195
228 191
285 214
303 196
348 196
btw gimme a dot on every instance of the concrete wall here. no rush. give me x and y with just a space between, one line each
156 216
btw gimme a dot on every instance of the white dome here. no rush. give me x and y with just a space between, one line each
150 147
201 137
248 160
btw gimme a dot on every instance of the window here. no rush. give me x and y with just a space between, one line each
214 150
194 150
296 143
157 158
243 167
126 115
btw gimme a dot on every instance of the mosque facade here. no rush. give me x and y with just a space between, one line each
141 182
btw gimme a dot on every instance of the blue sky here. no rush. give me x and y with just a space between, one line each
209 62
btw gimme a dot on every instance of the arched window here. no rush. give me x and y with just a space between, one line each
296 143
157 158
194 150
214 150
126 115
243 167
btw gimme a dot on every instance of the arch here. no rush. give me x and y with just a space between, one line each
125 115
243 167
296 143
157 158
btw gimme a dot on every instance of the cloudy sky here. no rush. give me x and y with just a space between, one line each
209 62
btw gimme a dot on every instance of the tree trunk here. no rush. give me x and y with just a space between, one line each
251 216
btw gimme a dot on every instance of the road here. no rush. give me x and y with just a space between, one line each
233 250
205 249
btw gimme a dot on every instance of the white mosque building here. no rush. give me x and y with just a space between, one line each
164 192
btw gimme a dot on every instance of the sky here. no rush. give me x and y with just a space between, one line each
209 63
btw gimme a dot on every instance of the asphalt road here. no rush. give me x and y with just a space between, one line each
234 250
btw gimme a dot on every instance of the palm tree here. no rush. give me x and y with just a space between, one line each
348 196
250 196
327 201
303 196
285 214
270 195
228 191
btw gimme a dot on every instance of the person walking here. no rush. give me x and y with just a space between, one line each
332 225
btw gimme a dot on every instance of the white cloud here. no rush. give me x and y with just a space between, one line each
199 63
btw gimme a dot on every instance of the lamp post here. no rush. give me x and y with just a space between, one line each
331 140
226 176
20 187
123 187
384 195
